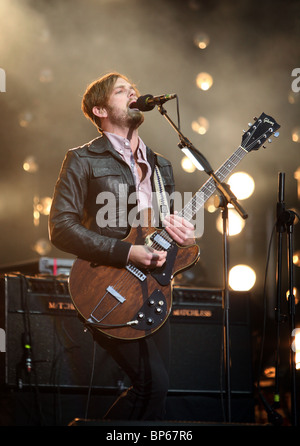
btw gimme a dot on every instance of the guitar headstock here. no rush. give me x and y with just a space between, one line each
263 128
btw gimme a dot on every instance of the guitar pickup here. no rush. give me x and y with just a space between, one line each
115 294
161 241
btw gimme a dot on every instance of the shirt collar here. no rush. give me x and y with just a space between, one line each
122 145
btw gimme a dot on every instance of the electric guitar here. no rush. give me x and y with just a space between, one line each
132 303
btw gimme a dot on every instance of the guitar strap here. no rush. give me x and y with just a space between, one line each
161 195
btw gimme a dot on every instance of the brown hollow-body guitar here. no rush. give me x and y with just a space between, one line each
131 303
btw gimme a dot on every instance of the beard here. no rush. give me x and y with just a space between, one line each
130 118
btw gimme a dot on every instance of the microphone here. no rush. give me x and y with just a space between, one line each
148 102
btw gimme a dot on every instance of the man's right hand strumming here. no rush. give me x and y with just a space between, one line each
146 257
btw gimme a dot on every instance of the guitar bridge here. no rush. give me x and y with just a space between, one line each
101 310
136 272
115 294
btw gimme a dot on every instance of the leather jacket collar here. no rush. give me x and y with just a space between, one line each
102 144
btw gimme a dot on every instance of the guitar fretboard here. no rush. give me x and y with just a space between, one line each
209 187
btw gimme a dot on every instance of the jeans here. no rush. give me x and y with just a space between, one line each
146 362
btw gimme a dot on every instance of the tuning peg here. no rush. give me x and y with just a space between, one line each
249 123
255 118
269 140
276 134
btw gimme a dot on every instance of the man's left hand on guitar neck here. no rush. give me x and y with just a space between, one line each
181 230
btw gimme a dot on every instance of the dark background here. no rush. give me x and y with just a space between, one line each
51 50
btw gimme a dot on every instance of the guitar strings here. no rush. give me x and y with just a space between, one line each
123 279
197 202
118 286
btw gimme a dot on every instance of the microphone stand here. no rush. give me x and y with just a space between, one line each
227 197
284 223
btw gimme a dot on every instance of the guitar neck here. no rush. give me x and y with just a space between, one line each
209 187
264 127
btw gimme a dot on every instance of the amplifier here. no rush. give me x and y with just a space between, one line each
38 311
188 295
206 304
41 326
197 341
42 265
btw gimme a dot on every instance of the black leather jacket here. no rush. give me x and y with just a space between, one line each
86 172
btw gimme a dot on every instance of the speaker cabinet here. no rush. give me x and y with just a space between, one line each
197 341
37 312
